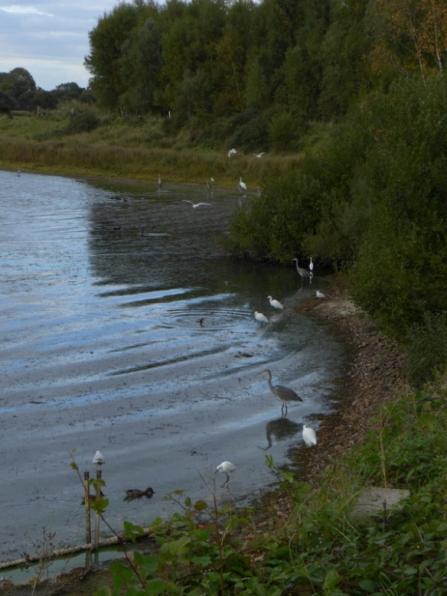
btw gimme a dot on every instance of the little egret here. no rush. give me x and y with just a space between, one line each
231 152
303 272
98 459
242 186
226 467
320 294
259 155
260 317
311 265
195 205
136 493
283 393
275 303
309 436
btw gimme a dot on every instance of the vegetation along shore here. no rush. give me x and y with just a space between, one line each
346 102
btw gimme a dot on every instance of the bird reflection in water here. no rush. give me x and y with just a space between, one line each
280 429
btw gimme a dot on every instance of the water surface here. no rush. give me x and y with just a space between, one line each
142 345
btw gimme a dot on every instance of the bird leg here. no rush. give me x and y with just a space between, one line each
226 481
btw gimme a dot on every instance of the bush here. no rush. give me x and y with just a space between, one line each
426 348
82 121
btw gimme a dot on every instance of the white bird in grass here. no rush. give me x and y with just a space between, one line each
259 155
231 152
98 459
242 186
195 205
320 294
275 303
260 317
226 467
309 436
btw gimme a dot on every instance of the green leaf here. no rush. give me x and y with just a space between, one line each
331 580
200 505
154 587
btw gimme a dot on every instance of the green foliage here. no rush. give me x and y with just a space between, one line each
426 348
84 120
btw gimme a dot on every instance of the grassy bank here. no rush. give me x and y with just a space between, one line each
118 148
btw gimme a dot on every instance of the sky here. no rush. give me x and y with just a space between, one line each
49 38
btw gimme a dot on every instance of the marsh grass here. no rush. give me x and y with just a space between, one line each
136 150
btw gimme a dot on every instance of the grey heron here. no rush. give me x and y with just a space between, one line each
309 436
303 272
275 303
260 317
226 467
283 393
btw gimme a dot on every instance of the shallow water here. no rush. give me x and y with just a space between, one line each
144 347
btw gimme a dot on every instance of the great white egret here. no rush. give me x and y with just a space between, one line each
242 186
311 265
195 205
226 467
320 294
303 272
275 303
309 436
259 155
260 317
231 152
98 459
283 393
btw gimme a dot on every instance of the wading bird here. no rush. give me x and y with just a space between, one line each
283 393
159 182
311 265
136 493
98 459
275 303
309 436
226 467
242 186
231 152
195 205
259 155
303 272
260 317
320 294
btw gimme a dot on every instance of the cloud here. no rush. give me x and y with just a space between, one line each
14 9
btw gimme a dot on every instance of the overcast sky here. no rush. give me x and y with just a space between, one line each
49 38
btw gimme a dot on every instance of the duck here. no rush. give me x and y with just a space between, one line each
136 493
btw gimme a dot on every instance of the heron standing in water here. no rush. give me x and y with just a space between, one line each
283 393
303 272
275 303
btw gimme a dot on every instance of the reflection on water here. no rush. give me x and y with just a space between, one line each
141 345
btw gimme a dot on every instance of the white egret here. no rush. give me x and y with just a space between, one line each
195 205
320 294
283 393
311 265
242 186
159 182
259 155
231 152
260 317
98 459
303 272
226 467
275 303
309 436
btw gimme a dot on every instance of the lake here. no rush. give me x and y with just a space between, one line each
126 328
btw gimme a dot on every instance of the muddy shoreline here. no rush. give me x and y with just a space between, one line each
375 377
